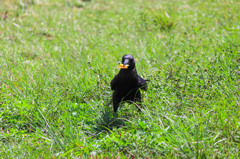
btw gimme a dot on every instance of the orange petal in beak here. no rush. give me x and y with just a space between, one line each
122 66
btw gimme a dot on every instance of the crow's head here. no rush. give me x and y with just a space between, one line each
128 62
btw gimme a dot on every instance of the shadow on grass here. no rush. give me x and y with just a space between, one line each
108 120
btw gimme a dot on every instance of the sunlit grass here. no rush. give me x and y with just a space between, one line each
57 59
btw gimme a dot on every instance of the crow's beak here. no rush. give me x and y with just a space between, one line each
122 66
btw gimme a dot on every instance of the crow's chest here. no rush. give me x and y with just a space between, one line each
126 83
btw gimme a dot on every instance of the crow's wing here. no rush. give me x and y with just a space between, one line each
113 83
142 83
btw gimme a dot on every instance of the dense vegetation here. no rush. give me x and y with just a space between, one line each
57 59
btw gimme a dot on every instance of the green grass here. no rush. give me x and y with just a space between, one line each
57 59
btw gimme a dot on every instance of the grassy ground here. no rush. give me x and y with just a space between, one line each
57 59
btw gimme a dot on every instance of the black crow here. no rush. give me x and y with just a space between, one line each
126 83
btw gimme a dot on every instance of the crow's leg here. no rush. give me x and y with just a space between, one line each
116 103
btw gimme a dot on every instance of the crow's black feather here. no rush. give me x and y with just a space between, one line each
126 83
